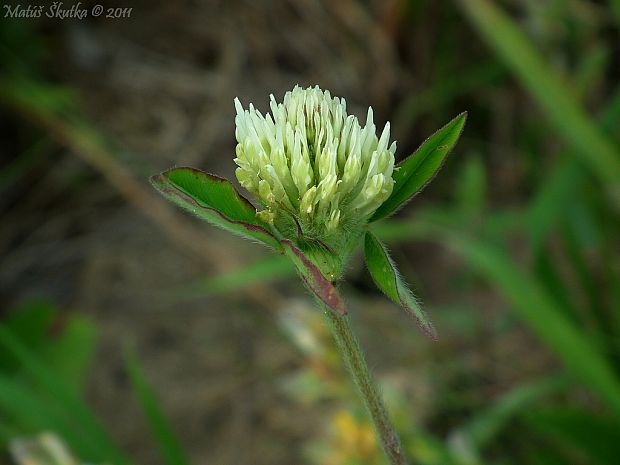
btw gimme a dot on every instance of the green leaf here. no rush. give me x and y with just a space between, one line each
386 276
415 172
215 200
549 90
314 279
165 439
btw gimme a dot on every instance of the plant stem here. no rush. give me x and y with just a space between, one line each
351 352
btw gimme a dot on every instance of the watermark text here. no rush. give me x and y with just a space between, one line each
60 10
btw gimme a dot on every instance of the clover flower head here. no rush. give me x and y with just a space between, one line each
310 160
320 178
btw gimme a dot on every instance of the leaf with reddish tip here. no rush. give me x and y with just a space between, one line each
416 171
387 278
314 279
215 200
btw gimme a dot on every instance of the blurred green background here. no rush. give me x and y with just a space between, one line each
132 334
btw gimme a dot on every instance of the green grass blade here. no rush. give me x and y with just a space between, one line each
262 271
169 446
490 421
615 7
68 351
444 92
30 323
71 354
551 202
548 274
611 114
592 436
6 434
542 314
471 188
18 167
29 413
553 96
63 394
575 250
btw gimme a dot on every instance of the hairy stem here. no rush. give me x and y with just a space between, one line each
351 352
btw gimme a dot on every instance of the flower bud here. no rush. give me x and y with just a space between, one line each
309 158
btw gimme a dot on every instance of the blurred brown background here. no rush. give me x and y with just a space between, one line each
81 228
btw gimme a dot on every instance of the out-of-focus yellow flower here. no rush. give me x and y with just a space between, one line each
353 441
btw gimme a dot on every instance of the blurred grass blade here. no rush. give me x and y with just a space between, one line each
215 200
71 354
615 6
6 434
443 91
551 202
549 275
387 278
169 447
18 167
577 251
26 411
30 323
596 437
416 171
471 188
554 97
64 395
47 99
262 271
611 114
489 422
65 344
542 314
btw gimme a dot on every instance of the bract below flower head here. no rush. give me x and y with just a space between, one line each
310 160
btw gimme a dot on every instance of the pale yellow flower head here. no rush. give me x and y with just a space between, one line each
309 160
